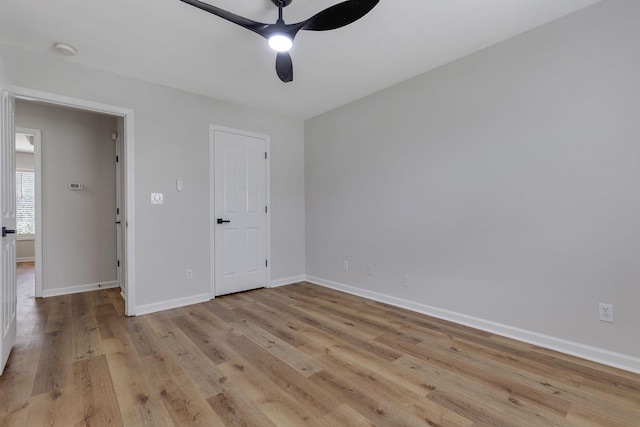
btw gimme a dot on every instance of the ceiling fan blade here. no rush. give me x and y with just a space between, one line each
256 27
339 15
284 67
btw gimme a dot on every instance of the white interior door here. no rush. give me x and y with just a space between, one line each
240 212
8 291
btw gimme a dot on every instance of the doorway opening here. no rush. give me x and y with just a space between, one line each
29 208
122 139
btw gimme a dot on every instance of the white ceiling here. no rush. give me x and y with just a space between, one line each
23 143
174 44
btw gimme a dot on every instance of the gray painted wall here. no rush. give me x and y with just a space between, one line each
171 140
78 231
25 249
504 184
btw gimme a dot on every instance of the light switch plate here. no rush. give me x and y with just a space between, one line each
179 183
157 198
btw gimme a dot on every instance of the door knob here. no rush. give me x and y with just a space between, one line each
5 231
222 221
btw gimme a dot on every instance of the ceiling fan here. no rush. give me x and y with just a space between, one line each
280 35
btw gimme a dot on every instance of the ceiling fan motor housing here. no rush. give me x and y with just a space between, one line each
281 3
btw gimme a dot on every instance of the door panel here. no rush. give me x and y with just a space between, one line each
8 291
240 198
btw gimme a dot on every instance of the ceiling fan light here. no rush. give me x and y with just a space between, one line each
280 43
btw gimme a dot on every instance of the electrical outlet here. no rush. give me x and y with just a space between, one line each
346 265
605 312
405 281
370 270
189 274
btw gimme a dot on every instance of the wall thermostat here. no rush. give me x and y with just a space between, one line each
75 186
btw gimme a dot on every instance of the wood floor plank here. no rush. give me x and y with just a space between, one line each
223 313
144 339
237 412
96 393
207 340
285 377
388 384
200 369
279 326
364 401
550 393
205 318
476 401
348 313
283 351
100 298
344 415
139 405
87 342
59 316
278 407
185 405
537 395
290 356
55 408
334 328
587 416
16 384
116 300
337 351
54 365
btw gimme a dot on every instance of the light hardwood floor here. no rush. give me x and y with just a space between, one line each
290 356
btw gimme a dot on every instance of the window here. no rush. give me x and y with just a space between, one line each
25 203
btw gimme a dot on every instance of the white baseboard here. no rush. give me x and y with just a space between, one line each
168 305
26 259
594 354
287 281
67 290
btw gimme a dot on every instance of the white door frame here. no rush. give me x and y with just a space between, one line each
212 131
37 169
119 215
129 201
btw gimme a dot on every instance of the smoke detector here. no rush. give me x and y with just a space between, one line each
64 49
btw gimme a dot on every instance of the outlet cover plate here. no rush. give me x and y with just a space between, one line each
605 312
405 281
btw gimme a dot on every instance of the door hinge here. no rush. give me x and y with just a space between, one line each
265 209
117 159
266 263
117 211
118 263
265 155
